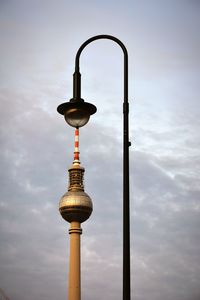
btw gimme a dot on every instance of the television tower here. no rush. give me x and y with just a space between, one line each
75 207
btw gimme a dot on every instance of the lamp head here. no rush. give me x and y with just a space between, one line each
77 112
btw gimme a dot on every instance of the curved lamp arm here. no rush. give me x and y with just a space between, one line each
77 75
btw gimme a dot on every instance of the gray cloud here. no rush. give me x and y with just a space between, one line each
38 45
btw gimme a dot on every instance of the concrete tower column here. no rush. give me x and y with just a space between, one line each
74 288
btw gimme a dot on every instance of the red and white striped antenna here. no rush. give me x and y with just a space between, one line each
76 147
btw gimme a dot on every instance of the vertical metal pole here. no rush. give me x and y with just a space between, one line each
126 209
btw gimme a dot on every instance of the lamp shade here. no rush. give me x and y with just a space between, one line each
76 112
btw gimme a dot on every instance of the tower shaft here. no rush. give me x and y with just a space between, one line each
74 288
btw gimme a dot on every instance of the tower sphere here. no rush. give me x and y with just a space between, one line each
75 206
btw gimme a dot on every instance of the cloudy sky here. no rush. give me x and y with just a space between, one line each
39 40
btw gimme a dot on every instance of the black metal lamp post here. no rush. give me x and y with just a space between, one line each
77 113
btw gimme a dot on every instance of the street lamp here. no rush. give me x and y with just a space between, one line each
77 113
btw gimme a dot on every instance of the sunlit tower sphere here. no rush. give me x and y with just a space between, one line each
75 205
